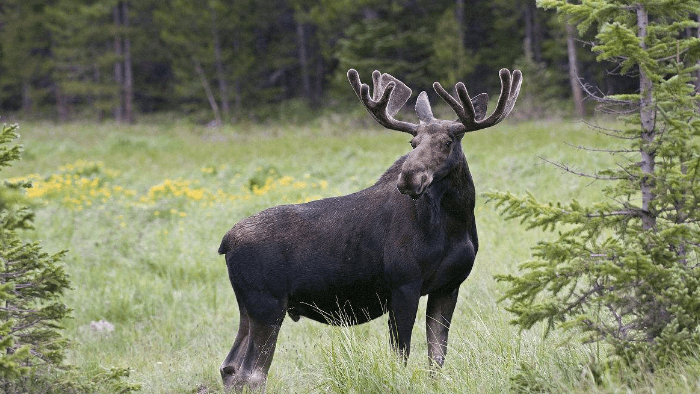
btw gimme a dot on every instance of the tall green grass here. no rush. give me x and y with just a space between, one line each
142 210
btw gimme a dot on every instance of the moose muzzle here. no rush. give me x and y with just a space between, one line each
413 182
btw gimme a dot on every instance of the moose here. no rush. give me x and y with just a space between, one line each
350 259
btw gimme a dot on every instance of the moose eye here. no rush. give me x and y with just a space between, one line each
448 143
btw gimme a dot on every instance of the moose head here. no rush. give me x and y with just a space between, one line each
434 140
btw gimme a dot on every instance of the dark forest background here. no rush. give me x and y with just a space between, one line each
219 62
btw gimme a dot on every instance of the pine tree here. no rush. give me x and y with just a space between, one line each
32 284
625 271
24 28
83 58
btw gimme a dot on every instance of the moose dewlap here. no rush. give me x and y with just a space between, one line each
350 259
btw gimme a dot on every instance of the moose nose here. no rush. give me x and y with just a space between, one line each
413 183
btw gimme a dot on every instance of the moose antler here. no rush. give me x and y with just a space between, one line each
389 95
471 111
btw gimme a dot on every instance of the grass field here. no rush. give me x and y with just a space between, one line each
142 210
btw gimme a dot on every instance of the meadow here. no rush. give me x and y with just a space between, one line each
142 209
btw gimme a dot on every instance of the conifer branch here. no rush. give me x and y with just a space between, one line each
611 151
581 174
632 213
608 132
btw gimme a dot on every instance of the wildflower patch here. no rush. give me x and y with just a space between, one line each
84 184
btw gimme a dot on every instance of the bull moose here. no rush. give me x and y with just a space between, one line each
350 259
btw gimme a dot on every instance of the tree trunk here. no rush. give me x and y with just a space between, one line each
459 16
531 43
573 71
647 112
128 76
697 73
207 89
61 103
26 97
220 75
94 99
237 87
303 59
118 72
238 91
318 83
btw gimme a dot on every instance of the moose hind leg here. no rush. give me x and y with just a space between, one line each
232 363
257 356
251 360
439 312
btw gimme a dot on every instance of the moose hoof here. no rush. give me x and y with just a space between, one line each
228 370
254 382
228 375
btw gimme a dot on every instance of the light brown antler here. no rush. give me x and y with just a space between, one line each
464 106
389 95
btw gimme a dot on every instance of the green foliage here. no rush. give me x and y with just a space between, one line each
373 43
541 96
421 43
82 62
32 284
451 60
72 381
11 153
269 52
68 380
24 29
624 271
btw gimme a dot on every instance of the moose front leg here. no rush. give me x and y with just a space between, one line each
402 316
437 324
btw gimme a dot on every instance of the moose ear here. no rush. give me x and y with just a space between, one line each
423 110
399 96
480 102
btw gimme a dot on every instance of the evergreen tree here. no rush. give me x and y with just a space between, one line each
23 38
450 57
83 56
198 56
625 271
256 52
415 41
189 30
32 284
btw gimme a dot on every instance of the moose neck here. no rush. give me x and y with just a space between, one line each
450 201
454 193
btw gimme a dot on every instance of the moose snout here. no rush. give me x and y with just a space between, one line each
413 183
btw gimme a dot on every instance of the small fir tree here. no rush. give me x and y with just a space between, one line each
32 284
626 271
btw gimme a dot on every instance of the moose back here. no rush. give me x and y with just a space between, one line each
350 259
